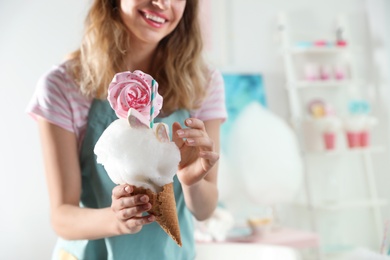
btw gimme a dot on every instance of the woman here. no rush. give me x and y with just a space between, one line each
94 218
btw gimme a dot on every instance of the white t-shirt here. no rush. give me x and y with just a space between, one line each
58 99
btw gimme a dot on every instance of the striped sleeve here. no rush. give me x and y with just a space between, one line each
58 100
214 106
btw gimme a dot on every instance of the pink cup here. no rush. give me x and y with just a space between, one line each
353 139
329 140
364 138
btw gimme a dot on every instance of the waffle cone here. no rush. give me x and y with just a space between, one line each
164 209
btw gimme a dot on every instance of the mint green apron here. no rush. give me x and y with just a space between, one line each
152 242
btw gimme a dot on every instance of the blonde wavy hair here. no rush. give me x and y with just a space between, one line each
178 67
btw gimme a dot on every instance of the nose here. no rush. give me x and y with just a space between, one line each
162 4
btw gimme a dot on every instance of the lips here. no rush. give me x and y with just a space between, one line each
154 19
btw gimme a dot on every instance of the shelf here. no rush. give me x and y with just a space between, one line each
368 150
338 250
318 50
281 236
305 60
357 204
319 84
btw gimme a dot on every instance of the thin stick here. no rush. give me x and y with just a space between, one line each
152 103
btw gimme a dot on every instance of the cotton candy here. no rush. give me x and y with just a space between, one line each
136 156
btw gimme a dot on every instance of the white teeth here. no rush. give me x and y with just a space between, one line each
154 18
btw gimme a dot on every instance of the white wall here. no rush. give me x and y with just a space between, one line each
37 34
34 36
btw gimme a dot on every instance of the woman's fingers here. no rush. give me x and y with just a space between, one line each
176 138
140 221
132 201
213 157
135 224
131 212
195 135
203 143
122 199
129 209
121 191
195 123
127 206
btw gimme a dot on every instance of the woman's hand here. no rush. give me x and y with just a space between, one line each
196 149
128 209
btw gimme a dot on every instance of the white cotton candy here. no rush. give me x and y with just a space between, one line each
135 156
265 152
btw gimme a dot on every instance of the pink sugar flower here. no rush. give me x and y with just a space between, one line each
133 90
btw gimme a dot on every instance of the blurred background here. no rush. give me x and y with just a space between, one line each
304 161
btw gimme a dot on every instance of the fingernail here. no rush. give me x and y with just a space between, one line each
151 218
190 141
189 121
128 189
147 206
180 132
144 198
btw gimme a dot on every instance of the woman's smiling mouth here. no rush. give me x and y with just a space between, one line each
154 18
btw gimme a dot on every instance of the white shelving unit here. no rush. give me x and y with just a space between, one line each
335 90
